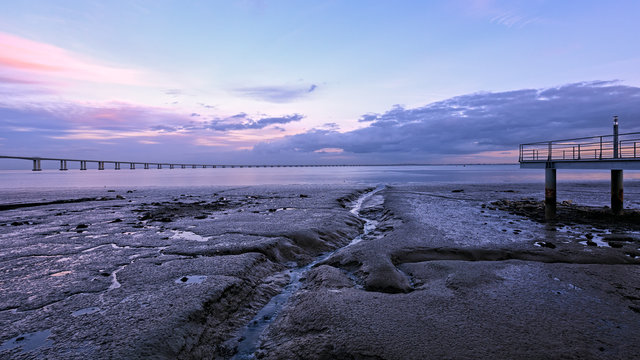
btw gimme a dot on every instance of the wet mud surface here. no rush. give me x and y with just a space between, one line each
440 272
159 273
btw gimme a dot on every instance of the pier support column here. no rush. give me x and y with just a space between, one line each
549 193
616 192
63 165
117 166
37 165
159 166
83 165
100 165
170 166
146 166
132 166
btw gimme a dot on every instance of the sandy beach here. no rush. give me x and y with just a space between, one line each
318 272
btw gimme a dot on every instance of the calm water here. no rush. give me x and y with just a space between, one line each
479 174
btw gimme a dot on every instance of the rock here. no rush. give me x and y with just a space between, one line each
82 226
304 196
111 190
591 243
119 197
17 223
116 221
457 190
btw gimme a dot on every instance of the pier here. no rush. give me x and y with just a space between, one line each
615 152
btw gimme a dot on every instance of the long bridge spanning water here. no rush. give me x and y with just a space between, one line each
117 165
616 152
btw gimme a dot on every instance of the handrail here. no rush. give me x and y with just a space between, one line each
590 148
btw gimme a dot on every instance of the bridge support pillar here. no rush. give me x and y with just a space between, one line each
36 165
132 166
616 192
193 166
100 165
146 166
63 165
549 193
170 166
117 166
183 166
83 165
159 166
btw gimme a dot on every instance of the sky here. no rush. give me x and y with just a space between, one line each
312 82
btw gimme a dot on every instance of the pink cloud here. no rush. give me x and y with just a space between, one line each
27 60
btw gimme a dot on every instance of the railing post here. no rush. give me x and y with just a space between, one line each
615 137
600 147
578 151
573 156
634 149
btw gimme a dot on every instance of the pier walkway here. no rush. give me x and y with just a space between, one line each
616 152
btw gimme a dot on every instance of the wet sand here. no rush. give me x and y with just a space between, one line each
442 272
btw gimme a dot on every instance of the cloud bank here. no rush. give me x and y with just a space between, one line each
476 123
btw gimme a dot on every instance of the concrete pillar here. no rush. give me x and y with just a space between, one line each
159 166
37 165
100 165
549 193
83 165
616 192
117 166
170 166
146 166
193 167
132 166
63 165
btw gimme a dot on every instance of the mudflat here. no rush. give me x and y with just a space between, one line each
397 272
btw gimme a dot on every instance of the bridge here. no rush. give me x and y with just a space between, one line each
615 152
117 165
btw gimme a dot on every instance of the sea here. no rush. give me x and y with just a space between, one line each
247 176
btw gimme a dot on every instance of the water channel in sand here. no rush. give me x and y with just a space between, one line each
250 335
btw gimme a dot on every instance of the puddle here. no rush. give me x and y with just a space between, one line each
187 235
191 279
85 311
96 236
61 273
114 282
250 335
28 341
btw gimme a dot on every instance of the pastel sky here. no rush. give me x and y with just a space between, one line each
281 82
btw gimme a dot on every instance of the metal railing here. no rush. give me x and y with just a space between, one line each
586 148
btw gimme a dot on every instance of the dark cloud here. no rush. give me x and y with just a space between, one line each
276 94
243 122
479 122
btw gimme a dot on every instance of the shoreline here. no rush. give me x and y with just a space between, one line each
184 269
